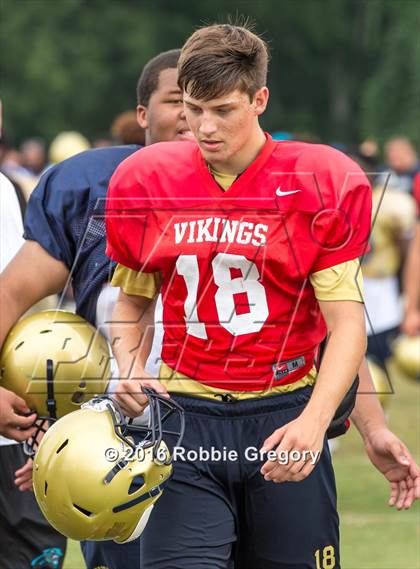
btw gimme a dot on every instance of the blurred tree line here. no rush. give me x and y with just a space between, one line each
341 69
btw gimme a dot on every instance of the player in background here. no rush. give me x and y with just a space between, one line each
67 245
24 532
411 280
393 220
401 164
186 223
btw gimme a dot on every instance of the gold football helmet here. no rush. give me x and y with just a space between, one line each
407 355
55 360
381 382
94 479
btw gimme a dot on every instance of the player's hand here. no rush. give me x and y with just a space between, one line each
23 476
393 459
411 323
302 434
130 396
13 422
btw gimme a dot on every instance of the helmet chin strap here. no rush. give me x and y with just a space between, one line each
51 403
43 423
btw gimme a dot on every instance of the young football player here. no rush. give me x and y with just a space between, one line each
254 246
65 243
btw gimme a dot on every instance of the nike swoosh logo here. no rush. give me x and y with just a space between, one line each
280 193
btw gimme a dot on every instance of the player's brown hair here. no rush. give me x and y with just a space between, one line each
218 59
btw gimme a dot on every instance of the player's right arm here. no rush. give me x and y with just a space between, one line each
132 336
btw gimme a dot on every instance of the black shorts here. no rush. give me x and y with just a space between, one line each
222 514
111 555
27 539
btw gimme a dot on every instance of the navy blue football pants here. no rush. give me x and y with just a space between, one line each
111 555
222 514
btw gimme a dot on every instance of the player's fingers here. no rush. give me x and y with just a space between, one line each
416 482
277 458
18 434
24 486
134 389
268 466
296 466
278 466
130 407
303 473
157 386
273 440
409 499
24 422
402 494
27 467
394 494
277 474
23 480
130 396
19 404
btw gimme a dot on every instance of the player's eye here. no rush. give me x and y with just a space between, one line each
174 101
223 111
194 110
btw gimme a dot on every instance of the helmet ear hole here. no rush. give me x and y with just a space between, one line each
136 483
82 384
78 397
45 488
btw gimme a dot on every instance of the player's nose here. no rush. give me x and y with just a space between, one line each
207 126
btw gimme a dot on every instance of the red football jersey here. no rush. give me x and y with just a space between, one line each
239 310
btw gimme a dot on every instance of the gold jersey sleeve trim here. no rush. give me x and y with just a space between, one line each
340 282
136 283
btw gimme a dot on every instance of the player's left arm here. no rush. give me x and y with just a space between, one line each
385 450
340 363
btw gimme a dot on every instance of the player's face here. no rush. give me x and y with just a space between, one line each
400 155
227 128
164 117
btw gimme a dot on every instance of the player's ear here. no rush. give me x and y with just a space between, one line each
142 116
260 100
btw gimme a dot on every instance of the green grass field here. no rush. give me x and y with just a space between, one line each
373 535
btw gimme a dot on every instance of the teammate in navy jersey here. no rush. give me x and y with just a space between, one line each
65 242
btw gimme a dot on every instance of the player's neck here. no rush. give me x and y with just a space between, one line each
241 160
